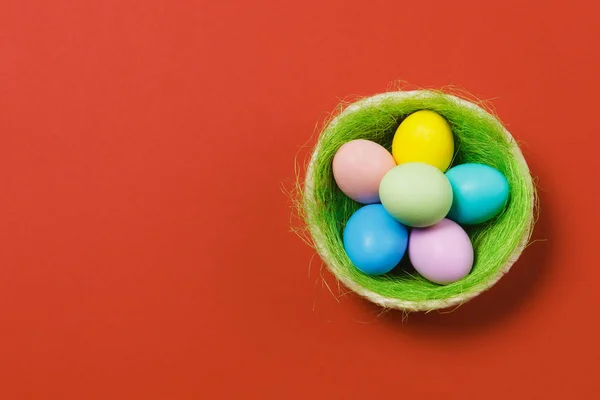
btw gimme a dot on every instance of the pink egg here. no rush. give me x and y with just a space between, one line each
441 253
359 166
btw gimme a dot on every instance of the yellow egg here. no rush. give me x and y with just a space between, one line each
424 136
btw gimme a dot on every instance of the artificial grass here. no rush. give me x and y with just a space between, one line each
479 138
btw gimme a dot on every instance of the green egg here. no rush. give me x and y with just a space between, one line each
416 194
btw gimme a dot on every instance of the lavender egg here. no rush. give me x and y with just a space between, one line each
441 253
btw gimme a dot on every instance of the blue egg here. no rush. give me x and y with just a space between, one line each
374 240
480 192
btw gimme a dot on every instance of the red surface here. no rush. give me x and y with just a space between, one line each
144 244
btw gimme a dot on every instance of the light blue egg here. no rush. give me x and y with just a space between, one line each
374 241
480 192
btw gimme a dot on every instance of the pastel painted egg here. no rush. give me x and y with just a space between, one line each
480 193
424 136
441 253
416 194
358 167
374 241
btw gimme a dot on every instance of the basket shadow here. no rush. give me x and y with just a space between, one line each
504 298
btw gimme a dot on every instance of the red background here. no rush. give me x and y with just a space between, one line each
145 250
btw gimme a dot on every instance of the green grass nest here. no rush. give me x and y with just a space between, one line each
479 138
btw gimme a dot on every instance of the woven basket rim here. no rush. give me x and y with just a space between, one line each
393 303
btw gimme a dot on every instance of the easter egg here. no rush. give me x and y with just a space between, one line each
374 241
416 194
480 193
424 136
441 253
358 167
